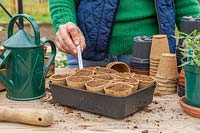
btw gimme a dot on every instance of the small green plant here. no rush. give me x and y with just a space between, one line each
191 50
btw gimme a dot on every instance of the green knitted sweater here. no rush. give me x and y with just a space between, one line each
133 18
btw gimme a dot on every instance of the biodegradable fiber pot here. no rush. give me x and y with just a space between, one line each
84 72
159 45
97 85
103 70
59 79
118 89
192 85
131 81
118 66
77 82
52 67
144 80
122 75
167 68
103 76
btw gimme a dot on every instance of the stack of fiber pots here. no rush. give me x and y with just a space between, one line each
140 56
188 24
181 84
167 74
159 45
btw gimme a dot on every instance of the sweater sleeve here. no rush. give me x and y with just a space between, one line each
186 8
62 11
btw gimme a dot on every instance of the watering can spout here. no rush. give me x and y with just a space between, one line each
3 58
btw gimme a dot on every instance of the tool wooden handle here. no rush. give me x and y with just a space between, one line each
37 117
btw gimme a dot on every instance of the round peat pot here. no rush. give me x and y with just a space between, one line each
192 85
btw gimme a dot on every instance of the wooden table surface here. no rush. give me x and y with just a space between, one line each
162 115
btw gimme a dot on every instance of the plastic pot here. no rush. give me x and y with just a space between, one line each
192 84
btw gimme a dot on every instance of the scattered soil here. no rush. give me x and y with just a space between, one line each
118 87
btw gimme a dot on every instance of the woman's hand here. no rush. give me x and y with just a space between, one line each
68 37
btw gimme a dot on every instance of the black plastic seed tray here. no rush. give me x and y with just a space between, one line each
103 104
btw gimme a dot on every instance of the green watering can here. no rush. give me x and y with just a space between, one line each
24 61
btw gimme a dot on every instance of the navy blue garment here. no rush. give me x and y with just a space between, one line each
166 20
96 18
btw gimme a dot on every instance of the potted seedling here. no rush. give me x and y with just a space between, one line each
191 65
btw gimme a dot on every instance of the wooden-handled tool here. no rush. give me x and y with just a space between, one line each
37 117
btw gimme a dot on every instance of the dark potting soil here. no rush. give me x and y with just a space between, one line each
118 87
97 83
79 79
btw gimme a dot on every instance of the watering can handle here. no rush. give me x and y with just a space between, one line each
31 20
53 54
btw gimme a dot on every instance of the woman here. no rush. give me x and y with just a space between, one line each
105 28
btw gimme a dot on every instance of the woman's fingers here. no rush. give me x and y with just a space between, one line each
68 37
74 33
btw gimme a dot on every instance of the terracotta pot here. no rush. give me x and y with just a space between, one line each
190 110
77 82
2 87
118 89
103 70
97 85
181 83
182 74
144 80
103 76
118 66
159 45
132 81
59 79
167 68
83 72
52 67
